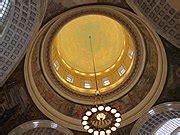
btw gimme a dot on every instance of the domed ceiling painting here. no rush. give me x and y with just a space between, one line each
56 76
135 67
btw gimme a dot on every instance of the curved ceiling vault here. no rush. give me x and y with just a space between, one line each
159 120
40 127
131 64
162 15
129 60
19 21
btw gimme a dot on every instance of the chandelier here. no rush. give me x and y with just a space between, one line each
101 119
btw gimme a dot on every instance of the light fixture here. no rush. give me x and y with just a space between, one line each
101 119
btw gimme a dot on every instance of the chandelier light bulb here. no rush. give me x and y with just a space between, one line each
118 119
117 115
85 117
90 130
107 108
86 127
108 131
117 124
102 133
96 133
101 108
94 109
88 113
113 111
84 123
113 128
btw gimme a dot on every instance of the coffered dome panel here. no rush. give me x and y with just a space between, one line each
19 22
40 127
162 15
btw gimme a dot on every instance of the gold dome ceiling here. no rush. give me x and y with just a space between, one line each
113 52
64 105
64 63
73 46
